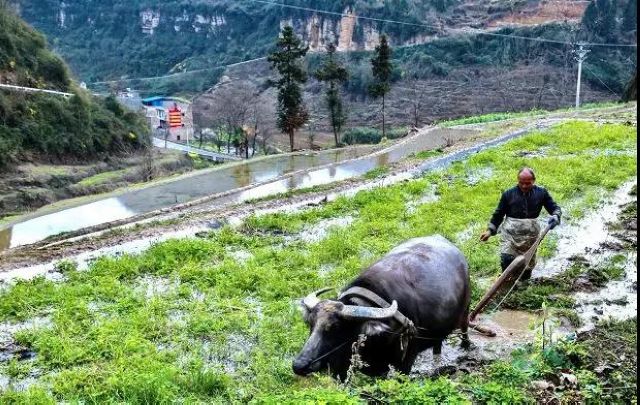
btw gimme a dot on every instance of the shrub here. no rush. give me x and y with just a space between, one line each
364 135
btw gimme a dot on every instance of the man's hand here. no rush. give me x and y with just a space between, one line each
485 235
553 221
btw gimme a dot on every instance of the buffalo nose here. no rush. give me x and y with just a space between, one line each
301 368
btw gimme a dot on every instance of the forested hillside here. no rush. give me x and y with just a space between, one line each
140 38
53 127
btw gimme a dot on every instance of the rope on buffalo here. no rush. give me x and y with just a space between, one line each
329 353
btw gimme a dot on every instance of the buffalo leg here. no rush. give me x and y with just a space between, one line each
437 348
464 328
410 358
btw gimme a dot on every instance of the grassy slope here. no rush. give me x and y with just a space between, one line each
112 341
48 126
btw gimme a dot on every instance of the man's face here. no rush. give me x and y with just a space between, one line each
525 181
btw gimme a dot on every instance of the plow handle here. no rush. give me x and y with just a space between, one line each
521 261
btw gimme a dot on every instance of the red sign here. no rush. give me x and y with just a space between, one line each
175 117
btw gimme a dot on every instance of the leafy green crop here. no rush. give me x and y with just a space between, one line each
192 320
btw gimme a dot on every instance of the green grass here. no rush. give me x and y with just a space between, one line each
221 330
480 119
427 154
104 177
376 173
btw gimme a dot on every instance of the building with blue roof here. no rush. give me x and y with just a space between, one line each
170 118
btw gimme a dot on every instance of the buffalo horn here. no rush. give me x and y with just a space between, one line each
360 312
311 300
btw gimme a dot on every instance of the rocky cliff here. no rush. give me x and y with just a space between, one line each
133 38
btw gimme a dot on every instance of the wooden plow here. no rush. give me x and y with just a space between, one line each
508 279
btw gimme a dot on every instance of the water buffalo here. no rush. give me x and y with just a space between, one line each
426 280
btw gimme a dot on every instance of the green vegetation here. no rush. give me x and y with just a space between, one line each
366 135
382 71
103 177
247 30
49 126
427 154
377 172
480 119
286 59
191 320
335 74
501 116
613 345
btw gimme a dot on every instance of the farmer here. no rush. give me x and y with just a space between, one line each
521 205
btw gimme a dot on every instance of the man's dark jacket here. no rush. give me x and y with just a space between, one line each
516 204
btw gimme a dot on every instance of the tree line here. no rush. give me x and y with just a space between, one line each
292 113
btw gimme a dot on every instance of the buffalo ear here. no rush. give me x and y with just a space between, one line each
374 328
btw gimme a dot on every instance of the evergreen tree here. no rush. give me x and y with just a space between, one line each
292 113
382 69
335 74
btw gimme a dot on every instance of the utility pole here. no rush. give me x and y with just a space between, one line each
581 55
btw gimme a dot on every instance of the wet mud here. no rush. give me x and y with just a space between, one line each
591 242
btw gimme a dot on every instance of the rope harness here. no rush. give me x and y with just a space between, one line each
363 296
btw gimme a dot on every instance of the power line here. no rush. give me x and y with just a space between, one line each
463 31
458 30
551 41
600 80
358 17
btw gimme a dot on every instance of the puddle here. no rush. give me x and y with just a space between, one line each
198 296
429 196
18 384
321 230
476 176
177 318
513 328
592 243
617 300
8 348
326 269
241 256
256 307
586 237
151 286
468 234
231 356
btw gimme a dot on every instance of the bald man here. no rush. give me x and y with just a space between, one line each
519 208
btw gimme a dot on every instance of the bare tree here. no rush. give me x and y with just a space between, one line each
238 112
418 98
230 110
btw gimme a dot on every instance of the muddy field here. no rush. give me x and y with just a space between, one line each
214 318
